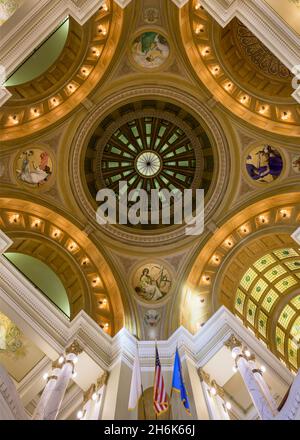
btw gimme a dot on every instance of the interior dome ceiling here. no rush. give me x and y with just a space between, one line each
149 148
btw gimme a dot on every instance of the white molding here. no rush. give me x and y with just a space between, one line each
296 235
52 332
42 322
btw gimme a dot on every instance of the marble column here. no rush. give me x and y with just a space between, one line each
55 399
39 412
221 404
95 411
260 402
264 387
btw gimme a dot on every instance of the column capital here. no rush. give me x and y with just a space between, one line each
219 389
232 342
102 380
57 365
74 348
204 377
89 393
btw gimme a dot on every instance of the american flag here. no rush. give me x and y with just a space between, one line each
160 401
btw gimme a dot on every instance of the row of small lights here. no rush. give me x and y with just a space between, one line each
95 397
72 247
229 243
71 87
229 85
213 391
61 361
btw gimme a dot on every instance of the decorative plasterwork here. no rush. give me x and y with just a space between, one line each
247 91
263 22
159 93
69 81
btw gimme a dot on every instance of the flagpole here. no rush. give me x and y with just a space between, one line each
143 396
171 394
170 404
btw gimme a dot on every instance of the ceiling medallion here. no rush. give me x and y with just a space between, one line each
150 50
33 167
148 153
152 282
151 15
264 164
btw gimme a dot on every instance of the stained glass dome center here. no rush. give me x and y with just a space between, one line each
148 164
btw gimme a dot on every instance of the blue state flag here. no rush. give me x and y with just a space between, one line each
178 384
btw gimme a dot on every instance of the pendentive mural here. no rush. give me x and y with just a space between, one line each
152 282
150 50
34 167
264 164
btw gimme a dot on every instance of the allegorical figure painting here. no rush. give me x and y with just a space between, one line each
264 164
34 167
150 50
152 282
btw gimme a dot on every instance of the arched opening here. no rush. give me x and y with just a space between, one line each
43 277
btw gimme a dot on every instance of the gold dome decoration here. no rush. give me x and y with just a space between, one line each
79 68
265 285
256 52
100 125
54 240
240 72
256 230
149 148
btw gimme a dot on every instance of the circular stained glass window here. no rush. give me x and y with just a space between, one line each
148 164
149 153
150 145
